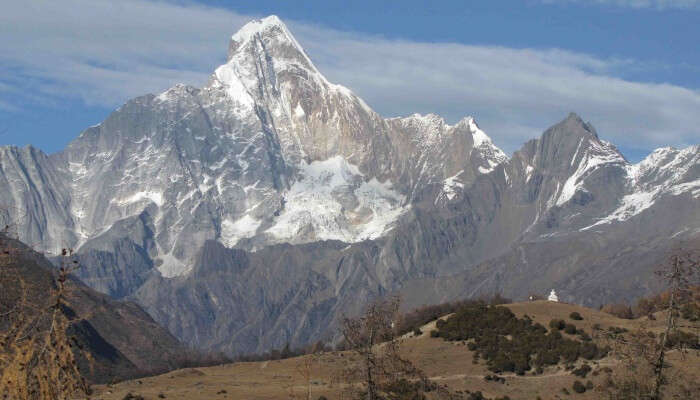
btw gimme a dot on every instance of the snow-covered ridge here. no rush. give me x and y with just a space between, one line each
433 127
666 171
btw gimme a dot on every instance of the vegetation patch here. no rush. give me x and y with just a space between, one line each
510 344
582 371
576 316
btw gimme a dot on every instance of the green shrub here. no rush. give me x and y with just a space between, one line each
476 396
417 332
570 329
616 330
557 324
683 339
405 389
582 371
579 387
575 316
510 344
691 312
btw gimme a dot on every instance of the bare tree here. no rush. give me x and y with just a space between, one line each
678 273
381 371
305 368
646 373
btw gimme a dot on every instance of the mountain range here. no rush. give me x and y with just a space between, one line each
259 209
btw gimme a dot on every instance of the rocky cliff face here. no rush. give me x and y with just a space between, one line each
259 208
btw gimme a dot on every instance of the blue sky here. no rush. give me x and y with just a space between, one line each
631 67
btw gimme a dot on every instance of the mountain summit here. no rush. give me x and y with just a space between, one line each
270 200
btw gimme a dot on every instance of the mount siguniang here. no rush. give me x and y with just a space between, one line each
260 208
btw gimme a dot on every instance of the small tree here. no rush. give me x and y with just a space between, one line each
36 354
681 269
381 369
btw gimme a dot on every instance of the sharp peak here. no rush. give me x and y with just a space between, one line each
574 119
260 26
270 28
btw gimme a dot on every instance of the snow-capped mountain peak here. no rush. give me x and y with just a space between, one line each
268 43
269 152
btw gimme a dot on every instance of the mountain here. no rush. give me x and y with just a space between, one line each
115 340
260 208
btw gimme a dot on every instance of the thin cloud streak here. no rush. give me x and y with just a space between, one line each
105 54
655 4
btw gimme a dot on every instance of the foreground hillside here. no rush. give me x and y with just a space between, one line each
446 363
108 339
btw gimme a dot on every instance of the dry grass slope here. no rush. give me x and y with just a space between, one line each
448 363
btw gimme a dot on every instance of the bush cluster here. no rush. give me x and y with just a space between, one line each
510 344
691 312
495 378
579 387
409 390
413 320
684 339
480 396
582 371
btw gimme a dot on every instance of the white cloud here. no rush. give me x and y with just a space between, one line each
657 4
105 53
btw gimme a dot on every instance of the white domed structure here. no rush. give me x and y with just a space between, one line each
553 296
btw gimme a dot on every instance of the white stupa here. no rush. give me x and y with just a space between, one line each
553 296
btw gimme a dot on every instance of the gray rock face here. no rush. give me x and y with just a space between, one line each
260 208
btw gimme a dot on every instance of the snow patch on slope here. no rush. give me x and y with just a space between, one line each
451 187
332 201
233 231
155 197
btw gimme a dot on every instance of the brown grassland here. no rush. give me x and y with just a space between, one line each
446 363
